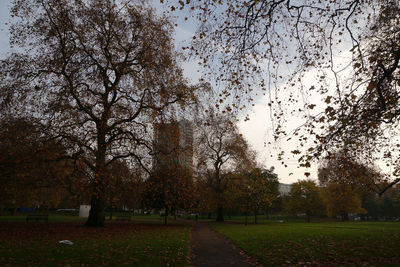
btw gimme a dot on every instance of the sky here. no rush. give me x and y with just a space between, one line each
4 36
257 130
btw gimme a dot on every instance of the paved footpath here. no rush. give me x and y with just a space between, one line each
211 249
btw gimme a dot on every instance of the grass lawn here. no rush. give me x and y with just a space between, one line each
73 217
52 218
116 244
333 243
262 219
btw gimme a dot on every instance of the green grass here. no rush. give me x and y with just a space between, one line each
116 244
334 243
262 219
73 217
52 218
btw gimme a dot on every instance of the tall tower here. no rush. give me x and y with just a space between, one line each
173 145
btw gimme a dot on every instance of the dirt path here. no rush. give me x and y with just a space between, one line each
211 249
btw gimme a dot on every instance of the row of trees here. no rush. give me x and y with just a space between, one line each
345 187
349 48
39 174
225 173
339 201
93 76
334 200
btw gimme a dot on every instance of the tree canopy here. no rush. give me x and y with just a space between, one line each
31 173
96 74
262 189
306 197
340 168
219 146
341 200
350 48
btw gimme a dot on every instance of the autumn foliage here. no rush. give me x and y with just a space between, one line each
95 73
306 197
32 172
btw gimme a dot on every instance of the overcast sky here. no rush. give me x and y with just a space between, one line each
258 130
4 36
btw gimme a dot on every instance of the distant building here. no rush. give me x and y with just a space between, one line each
284 189
173 145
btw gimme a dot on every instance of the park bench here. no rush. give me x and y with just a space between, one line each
123 217
37 217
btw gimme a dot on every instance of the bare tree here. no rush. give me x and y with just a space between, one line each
351 46
219 146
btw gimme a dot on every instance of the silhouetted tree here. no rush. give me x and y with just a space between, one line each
96 72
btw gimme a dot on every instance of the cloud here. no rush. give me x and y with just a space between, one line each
259 133
259 129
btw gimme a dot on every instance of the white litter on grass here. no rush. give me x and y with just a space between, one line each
66 242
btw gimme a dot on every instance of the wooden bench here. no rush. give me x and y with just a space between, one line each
37 217
123 217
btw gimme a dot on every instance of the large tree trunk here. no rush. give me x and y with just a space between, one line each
308 217
220 214
111 214
255 216
14 210
165 215
96 213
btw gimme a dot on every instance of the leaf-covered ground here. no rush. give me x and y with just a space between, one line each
36 244
318 244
